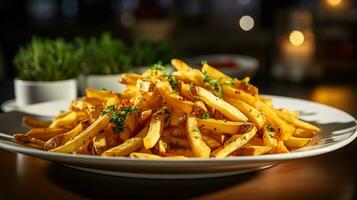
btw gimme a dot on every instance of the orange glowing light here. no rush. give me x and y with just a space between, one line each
296 38
334 3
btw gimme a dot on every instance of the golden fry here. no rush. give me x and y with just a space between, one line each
185 91
63 138
155 129
129 146
99 143
153 156
252 150
281 148
45 134
304 133
224 126
125 148
296 142
84 136
252 114
296 122
179 142
290 112
129 78
102 95
144 155
284 129
28 141
198 146
226 80
225 108
34 123
212 143
269 138
173 99
162 146
180 152
234 143
180 65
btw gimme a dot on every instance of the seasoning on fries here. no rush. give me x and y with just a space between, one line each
187 113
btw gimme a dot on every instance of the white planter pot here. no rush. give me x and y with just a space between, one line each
108 82
29 92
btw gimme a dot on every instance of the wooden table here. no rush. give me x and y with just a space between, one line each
330 176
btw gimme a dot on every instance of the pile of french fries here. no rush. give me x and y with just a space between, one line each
187 113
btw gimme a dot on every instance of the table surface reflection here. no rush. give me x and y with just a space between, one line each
329 176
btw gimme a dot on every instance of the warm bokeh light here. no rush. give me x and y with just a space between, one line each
246 23
333 2
296 38
337 96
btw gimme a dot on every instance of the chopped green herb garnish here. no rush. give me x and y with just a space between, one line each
214 84
164 69
203 62
172 80
245 137
118 116
160 67
229 82
270 128
205 115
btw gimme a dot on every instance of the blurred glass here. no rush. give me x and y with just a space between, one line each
296 53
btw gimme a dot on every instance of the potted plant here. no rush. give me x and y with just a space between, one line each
146 52
103 60
47 70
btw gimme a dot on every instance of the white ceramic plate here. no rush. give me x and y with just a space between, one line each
338 129
48 109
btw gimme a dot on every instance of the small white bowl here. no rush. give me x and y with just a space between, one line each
108 82
29 92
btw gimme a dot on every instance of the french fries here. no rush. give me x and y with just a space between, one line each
155 130
173 99
224 126
282 127
128 146
198 146
34 123
234 143
189 113
28 141
252 150
254 115
84 136
291 119
63 138
225 108
45 134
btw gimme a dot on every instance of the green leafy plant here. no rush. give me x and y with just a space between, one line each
105 55
47 60
145 52
51 60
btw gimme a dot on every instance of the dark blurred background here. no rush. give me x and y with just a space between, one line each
261 29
